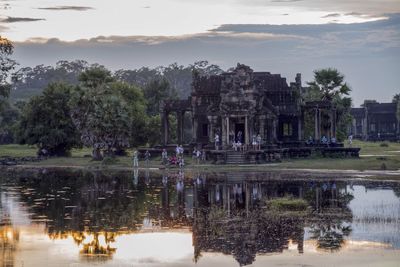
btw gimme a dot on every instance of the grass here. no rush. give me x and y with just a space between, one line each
376 148
14 150
287 204
373 157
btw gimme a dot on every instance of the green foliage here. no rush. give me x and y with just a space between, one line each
31 81
109 115
46 121
287 204
6 65
396 99
384 145
329 83
155 92
153 127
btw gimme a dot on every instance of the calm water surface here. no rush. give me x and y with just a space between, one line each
53 218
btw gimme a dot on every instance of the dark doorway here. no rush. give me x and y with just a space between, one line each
239 127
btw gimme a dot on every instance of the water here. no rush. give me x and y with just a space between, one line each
53 218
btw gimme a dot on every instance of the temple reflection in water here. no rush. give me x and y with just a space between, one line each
226 213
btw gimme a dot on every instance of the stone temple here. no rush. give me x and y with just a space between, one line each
241 100
253 103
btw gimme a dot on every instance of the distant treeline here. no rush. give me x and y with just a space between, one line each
30 81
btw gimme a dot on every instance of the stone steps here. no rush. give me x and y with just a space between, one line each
235 157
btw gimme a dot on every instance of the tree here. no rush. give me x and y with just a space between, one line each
108 114
46 121
329 83
155 92
396 99
6 66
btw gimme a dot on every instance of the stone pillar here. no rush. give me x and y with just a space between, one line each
179 117
224 135
165 127
300 127
262 127
246 130
317 129
227 130
333 123
274 130
194 129
211 129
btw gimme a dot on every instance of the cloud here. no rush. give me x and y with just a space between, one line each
74 8
331 15
285 1
19 19
359 50
3 28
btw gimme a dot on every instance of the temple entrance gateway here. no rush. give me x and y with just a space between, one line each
239 127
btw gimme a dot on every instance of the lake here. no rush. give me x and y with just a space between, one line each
177 218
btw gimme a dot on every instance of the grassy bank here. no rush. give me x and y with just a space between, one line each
373 156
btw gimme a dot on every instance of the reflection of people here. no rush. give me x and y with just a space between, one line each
135 176
147 176
165 179
147 156
135 158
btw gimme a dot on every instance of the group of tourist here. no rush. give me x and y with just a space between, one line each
324 140
237 141
135 158
176 159
199 156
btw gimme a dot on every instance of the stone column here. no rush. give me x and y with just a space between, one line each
224 135
262 127
333 123
274 130
165 127
246 130
300 127
194 129
179 117
317 117
211 129
227 130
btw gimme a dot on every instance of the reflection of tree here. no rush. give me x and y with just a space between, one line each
330 223
330 236
9 238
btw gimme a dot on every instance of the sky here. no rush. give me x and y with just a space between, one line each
359 37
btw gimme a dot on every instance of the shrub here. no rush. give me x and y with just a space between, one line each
287 204
384 144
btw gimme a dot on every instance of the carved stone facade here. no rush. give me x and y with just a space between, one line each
245 101
375 121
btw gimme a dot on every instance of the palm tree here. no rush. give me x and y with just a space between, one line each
329 83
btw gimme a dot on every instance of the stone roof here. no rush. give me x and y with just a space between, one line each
382 107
